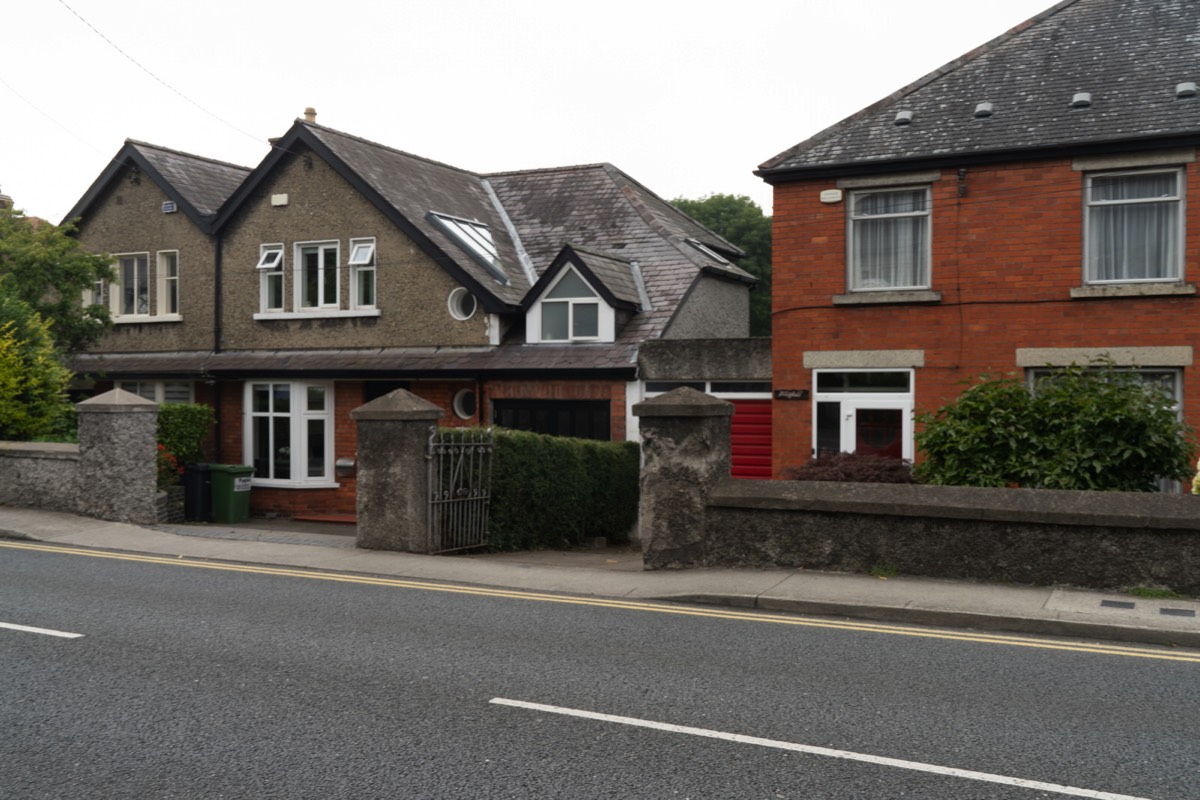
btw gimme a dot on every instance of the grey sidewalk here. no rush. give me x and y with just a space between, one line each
617 573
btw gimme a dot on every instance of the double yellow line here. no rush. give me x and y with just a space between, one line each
628 605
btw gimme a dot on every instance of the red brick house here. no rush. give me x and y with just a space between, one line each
341 269
1021 208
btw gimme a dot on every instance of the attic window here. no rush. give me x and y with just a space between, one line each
475 238
708 251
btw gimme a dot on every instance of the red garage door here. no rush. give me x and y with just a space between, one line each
751 438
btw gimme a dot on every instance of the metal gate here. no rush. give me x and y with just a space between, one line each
460 487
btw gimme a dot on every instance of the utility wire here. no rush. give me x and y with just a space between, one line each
144 69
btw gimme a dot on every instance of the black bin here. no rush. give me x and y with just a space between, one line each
197 493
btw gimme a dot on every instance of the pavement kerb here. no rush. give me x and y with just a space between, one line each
776 592
941 618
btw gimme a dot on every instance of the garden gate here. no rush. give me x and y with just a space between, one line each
460 487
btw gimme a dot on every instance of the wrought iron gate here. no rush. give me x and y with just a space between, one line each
460 487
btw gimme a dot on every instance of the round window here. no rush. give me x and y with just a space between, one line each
464 404
462 304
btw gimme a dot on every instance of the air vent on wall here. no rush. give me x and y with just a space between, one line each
169 207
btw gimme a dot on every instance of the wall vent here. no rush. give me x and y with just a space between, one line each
169 207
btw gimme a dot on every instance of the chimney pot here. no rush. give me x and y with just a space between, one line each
310 114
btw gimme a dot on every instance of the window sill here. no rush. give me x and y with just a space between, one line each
276 484
139 319
324 313
908 296
1132 290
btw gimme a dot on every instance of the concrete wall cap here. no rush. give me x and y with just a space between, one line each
116 401
398 405
683 402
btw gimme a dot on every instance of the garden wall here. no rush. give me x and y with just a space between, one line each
694 515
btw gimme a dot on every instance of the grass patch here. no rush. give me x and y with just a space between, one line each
1155 593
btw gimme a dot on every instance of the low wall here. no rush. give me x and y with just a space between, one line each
694 515
41 474
110 474
1101 540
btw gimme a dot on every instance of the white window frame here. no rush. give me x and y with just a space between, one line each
156 391
852 225
94 294
1174 269
323 303
270 269
605 321
166 284
362 263
298 419
116 290
872 400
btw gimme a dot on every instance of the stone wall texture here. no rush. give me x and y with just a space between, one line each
45 473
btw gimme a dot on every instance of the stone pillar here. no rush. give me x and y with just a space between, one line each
118 457
685 452
393 482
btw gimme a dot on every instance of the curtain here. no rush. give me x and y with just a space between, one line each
1133 227
890 240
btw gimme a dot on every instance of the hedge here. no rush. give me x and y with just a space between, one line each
183 428
554 491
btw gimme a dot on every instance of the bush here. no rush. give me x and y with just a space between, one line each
1096 428
33 383
183 429
860 468
550 491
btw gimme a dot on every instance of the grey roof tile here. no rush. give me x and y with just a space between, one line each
1129 54
203 182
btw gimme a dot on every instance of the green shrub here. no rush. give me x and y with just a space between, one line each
183 429
33 382
1097 428
856 467
551 491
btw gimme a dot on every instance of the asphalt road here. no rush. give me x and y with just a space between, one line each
192 682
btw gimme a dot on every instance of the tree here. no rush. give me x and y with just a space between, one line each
1098 428
740 220
33 382
44 266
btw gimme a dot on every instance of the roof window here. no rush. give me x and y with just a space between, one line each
475 238
708 251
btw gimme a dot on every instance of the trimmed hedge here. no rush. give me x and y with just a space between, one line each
554 491
183 428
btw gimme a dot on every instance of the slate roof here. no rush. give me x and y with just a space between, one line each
199 185
600 209
1129 54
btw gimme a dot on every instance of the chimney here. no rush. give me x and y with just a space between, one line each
310 115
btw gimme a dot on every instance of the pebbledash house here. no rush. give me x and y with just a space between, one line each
1030 205
339 270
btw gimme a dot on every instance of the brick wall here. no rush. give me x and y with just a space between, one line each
1005 256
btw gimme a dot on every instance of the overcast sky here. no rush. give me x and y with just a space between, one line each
686 96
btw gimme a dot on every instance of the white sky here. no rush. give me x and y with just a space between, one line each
686 96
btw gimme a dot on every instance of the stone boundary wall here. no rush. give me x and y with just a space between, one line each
1099 540
39 474
111 474
694 515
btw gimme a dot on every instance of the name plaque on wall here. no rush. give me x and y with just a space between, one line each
791 394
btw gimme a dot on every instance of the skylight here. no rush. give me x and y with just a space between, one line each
475 238
708 251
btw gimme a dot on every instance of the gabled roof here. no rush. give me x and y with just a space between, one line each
1128 54
198 185
406 189
615 279
600 209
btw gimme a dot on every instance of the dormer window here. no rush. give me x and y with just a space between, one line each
475 238
570 310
